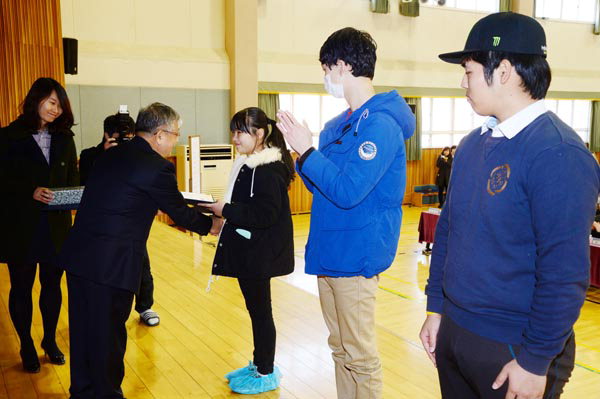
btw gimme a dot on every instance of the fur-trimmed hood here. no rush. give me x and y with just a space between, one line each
268 155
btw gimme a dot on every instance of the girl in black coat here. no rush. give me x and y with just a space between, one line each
444 163
37 151
256 241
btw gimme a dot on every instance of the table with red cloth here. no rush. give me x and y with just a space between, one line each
595 264
427 224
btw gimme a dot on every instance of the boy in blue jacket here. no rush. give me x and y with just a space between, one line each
510 266
357 177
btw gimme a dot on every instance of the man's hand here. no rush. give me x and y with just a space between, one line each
43 194
521 383
429 333
110 143
216 208
297 135
217 225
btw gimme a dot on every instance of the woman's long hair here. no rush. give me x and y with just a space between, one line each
445 149
249 120
40 90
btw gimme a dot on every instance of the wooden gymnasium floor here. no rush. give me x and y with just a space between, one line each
204 335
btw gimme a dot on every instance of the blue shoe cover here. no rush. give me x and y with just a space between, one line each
244 371
256 383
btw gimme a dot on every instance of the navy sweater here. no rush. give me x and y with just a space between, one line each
511 256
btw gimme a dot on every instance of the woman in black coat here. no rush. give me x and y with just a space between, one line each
256 241
37 151
444 164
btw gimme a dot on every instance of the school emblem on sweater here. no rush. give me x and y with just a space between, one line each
367 150
498 179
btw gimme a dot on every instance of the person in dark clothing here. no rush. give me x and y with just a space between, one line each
443 163
104 252
256 242
119 128
511 262
37 152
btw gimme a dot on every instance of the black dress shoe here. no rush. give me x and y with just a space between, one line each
30 360
55 356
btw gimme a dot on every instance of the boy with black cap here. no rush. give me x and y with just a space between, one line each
510 267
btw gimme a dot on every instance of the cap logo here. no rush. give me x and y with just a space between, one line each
544 50
496 41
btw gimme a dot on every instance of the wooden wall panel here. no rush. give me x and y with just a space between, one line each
421 172
30 48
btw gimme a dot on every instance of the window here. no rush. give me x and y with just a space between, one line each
315 109
575 113
569 10
475 5
445 121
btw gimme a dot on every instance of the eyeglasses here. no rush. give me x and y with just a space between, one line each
170 132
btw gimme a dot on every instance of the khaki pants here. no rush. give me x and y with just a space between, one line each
348 305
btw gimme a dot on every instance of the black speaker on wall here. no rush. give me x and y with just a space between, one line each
70 55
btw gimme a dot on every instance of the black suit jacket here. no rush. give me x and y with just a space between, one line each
87 159
23 168
126 187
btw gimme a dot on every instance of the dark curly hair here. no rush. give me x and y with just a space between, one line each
356 48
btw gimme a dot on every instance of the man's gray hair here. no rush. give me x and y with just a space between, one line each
155 116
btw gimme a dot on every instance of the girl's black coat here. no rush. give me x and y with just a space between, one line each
23 168
265 219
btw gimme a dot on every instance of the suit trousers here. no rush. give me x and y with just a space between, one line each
348 305
144 299
97 316
468 364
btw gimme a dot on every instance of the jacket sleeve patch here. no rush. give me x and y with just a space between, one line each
367 150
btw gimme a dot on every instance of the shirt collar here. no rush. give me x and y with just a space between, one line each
516 123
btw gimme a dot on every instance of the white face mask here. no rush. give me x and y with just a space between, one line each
335 89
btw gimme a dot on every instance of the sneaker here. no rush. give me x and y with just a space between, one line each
244 371
256 383
150 318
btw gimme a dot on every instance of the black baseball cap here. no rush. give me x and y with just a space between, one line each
507 32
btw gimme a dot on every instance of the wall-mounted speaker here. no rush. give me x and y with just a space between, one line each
70 55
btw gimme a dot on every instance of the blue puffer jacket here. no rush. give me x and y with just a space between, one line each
357 178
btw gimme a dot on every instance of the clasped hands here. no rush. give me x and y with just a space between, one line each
297 135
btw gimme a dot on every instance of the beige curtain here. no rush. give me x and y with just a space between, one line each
505 5
413 145
269 103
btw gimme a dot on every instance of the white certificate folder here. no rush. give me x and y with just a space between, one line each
197 198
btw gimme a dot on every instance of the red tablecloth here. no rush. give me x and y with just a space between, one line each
427 224
595 265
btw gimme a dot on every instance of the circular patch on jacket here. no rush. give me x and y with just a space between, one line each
498 179
367 150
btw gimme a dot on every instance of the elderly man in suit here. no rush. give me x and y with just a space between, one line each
104 252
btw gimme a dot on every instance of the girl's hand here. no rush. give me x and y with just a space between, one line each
43 194
217 225
216 208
